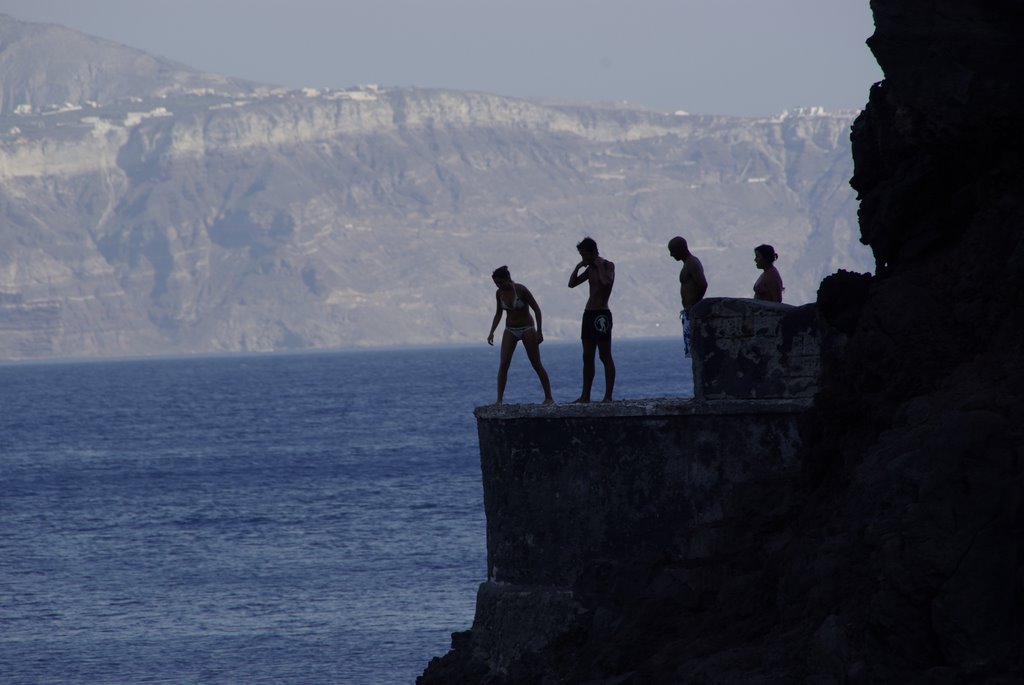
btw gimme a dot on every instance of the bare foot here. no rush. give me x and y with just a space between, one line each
498 401
607 399
581 400
548 400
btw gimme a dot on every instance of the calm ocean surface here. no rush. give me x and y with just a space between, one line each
313 518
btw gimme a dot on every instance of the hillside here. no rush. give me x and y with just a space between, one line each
45 67
198 216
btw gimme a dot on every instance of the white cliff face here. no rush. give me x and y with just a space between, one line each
46 157
288 220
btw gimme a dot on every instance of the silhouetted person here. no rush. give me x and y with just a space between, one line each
516 301
692 285
768 286
596 332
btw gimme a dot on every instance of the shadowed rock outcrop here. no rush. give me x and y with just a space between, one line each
900 558
916 439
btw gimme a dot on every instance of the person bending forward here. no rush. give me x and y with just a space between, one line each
516 301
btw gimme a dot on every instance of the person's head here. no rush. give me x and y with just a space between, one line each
678 248
764 255
587 249
501 277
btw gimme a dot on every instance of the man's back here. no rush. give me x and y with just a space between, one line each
601 275
692 282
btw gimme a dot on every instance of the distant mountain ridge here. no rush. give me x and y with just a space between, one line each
168 212
44 67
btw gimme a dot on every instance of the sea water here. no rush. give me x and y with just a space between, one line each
306 518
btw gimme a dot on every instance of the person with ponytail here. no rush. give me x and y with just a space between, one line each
516 301
768 286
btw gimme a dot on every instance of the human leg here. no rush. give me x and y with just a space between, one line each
508 346
589 348
604 348
533 353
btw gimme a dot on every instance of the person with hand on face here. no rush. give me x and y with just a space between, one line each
768 286
597 318
515 300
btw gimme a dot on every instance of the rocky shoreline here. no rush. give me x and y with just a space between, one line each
899 556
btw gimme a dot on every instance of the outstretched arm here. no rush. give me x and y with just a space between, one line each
497 317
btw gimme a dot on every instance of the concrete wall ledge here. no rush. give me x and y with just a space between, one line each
577 494
660 406
746 349
568 486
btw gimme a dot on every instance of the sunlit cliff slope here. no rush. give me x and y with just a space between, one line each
148 208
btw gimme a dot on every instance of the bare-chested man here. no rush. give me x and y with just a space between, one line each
597 318
692 284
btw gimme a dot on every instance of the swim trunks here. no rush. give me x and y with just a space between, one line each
597 324
687 334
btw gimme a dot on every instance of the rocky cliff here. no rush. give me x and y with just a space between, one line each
899 556
45 68
146 208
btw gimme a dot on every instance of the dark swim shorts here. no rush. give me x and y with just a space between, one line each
597 324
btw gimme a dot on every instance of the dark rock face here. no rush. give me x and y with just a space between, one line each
903 560
917 436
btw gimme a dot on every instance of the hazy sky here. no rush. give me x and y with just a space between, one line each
740 57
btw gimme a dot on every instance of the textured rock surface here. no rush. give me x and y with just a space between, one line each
565 491
585 501
918 436
904 562
756 350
